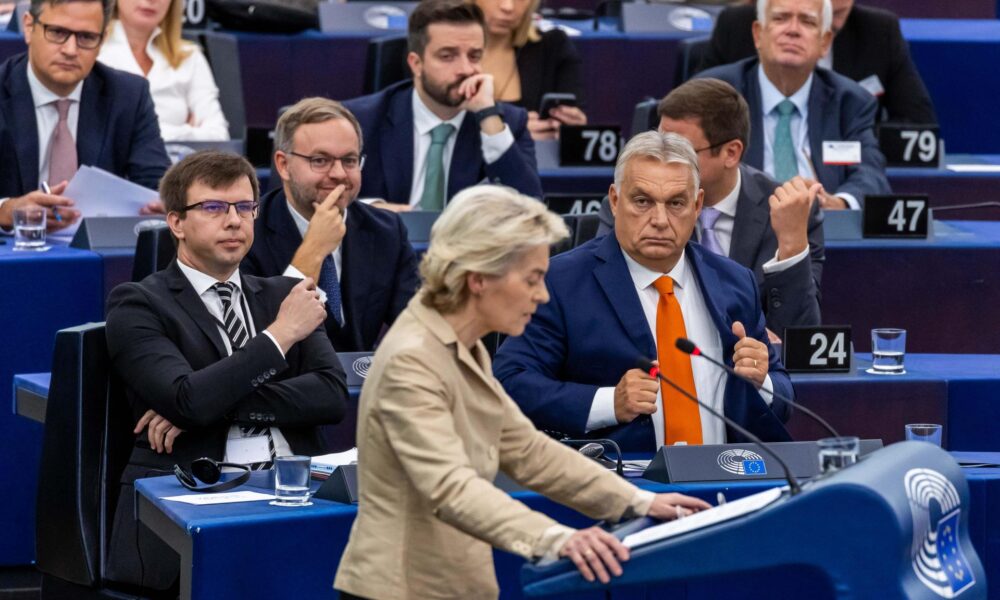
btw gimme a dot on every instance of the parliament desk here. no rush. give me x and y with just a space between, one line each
43 293
294 552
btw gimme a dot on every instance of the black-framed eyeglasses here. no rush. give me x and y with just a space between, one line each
712 147
321 163
246 209
87 40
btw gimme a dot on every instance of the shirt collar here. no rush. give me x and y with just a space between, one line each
727 205
644 277
43 95
118 36
770 97
202 282
424 120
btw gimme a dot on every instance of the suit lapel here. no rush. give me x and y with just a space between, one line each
613 277
396 149
708 280
24 125
194 307
466 154
258 309
752 213
819 121
751 91
358 245
94 110
284 238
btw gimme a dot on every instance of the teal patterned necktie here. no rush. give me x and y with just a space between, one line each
433 196
785 164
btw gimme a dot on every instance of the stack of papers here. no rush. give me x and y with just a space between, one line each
323 465
98 193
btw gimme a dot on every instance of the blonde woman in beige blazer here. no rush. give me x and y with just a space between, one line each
435 427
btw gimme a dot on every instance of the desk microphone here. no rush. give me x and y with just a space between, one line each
688 347
596 449
654 371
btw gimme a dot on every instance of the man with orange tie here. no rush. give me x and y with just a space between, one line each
632 294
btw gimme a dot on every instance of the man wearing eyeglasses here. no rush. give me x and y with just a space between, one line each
215 363
775 230
58 110
359 256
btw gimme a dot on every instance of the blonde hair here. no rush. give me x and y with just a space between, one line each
484 229
525 31
169 41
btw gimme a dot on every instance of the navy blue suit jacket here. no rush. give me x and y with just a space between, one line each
386 119
117 129
379 267
839 109
593 329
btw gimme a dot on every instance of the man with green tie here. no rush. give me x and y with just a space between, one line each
429 138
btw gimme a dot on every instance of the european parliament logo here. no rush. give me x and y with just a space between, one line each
361 366
938 560
742 462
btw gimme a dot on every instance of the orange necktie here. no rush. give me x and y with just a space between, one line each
681 420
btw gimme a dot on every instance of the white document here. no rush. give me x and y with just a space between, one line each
98 193
226 498
247 450
974 168
841 153
328 462
873 84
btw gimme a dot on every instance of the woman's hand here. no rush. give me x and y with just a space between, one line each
542 129
595 552
667 507
568 115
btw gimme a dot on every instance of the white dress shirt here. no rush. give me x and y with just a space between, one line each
302 224
726 222
47 117
203 286
423 121
177 93
770 97
709 380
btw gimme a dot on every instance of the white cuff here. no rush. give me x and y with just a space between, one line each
602 410
495 145
294 273
852 202
276 344
777 266
4 230
769 387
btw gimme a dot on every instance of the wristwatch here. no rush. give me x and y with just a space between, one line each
487 113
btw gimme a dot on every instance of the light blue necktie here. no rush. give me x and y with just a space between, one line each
785 164
433 196
329 282
707 220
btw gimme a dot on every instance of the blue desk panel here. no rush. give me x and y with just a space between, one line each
43 293
294 552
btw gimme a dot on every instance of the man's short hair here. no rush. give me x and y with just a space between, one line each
826 14
217 170
722 112
306 112
428 12
36 7
668 148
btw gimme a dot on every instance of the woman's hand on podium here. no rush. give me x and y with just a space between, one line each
595 552
667 507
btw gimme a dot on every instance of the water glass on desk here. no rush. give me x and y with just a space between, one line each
924 432
29 228
888 351
291 481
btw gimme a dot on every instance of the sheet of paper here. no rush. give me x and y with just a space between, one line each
98 193
225 498
328 462
974 168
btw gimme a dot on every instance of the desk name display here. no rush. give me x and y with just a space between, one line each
911 145
823 349
896 216
893 526
340 17
589 145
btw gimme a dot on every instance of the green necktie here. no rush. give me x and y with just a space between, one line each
433 196
785 165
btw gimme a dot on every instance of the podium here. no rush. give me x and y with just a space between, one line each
893 526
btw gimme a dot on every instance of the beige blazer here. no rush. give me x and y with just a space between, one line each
434 427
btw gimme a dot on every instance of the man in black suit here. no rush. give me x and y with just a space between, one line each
59 109
312 226
868 47
215 364
774 230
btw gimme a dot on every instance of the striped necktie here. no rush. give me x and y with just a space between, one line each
238 338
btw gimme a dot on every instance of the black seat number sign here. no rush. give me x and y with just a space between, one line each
194 14
910 145
825 349
895 216
589 145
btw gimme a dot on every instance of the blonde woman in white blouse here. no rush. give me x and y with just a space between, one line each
145 38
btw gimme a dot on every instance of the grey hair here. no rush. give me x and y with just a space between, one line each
668 148
484 229
826 17
35 8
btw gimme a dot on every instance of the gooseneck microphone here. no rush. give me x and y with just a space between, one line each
596 450
688 347
654 371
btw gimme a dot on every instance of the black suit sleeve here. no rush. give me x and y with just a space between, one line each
147 161
792 297
141 344
406 279
732 38
906 98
